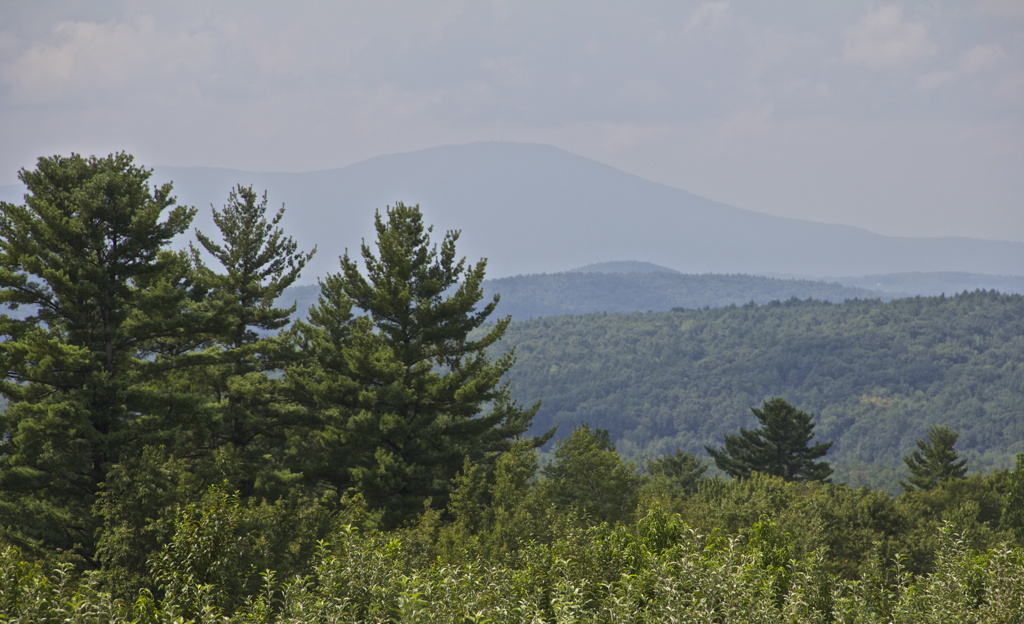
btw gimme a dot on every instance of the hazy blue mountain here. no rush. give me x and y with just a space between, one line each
923 284
939 283
626 266
534 208
533 296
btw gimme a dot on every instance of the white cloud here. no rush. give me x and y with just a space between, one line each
981 57
977 59
90 55
710 15
882 39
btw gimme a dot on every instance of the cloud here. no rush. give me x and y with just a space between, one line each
977 59
882 39
91 55
710 15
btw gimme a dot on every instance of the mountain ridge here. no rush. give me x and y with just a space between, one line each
533 208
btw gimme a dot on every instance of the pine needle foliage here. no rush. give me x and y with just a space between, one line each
111 312
779 447
403 393
934 461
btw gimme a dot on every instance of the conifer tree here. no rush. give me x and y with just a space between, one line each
935 461
683 470
252 414
403 392
779 447
109 313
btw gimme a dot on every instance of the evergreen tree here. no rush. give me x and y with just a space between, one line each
935 461
589 475
682 470
252 413
110 313
404 394
778 447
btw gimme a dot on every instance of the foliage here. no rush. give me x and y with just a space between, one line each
655 570
876 374
1013 507
587 475
780 446
112 313
401 390
935 461
681 472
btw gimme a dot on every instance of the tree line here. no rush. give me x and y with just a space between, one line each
143 375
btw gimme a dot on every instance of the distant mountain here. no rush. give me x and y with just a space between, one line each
532 208
627 266
930 284
923 284
533 296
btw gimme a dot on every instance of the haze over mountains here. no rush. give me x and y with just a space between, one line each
533 208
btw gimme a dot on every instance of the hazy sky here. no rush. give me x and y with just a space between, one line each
905 119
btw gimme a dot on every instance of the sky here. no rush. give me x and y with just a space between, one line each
906 119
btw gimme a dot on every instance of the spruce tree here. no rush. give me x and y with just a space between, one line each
110 312
403 392
779 447
935 461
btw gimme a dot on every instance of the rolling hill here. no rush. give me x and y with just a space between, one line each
876 374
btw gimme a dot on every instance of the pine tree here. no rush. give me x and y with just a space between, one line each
404 394
780 447
87 253
252 413
682 470
935 461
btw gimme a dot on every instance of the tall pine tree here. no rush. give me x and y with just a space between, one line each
935 461
780 446
403 391
252 414
109 313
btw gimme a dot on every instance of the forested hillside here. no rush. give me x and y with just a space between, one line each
585 291
876 374
532 296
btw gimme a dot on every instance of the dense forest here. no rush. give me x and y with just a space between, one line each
876 374
177 449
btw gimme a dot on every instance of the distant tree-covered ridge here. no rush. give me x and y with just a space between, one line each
616 287
875 374
533 296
